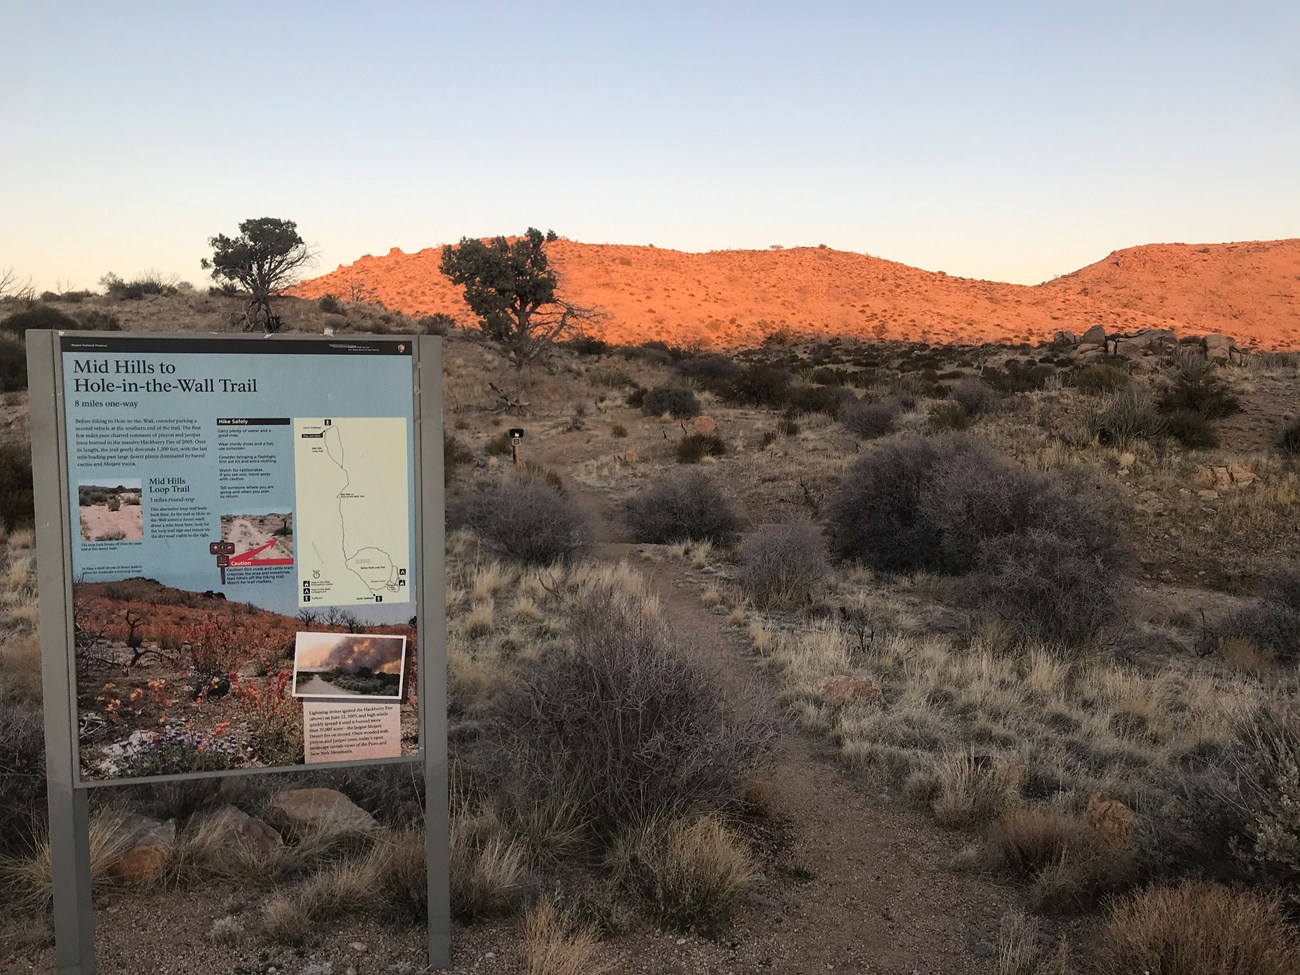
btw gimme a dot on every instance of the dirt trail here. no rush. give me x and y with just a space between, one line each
880 898
323 688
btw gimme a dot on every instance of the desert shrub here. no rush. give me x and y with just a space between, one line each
1289 439
500 445
97 320
525 518
689 871
975 396
1196 928
871 420
684 506
1271 624
13 363
1049 587
1028 837
949 416
818 399
709 370
694 447
758 385
17 496
654 352
1018 376
636 397
630 723
178 751
1098 377
454 454
1195 386
38 316
1266 758
148 283
787 427
877 517
330 304
1125 416
22 774
677 401
1191 429
439 323
782 565
585 345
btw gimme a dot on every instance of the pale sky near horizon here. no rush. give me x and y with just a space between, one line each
1008 140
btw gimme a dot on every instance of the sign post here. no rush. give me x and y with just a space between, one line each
205 507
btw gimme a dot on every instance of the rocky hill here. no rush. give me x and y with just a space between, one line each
731 299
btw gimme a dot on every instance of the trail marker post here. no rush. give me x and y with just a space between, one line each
516 441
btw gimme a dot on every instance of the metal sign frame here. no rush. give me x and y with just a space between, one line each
69 794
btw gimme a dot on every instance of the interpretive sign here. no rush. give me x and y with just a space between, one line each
241 567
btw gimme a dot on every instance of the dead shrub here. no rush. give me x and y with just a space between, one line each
525 518
629 723
783 564
683 506
1197 928
1026 838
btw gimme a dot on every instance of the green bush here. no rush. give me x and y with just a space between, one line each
758 385
330 304
677 401
1195 386
13 363
1267 762
1191 429
686 506
828 400
870 420
975 396
694 447
148 283
95 320
709 370
949 416
1125 416
585 345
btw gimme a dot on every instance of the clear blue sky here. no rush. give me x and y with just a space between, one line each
1012 141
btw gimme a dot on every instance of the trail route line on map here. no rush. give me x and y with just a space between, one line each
353 509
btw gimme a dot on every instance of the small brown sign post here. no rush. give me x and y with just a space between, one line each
516 441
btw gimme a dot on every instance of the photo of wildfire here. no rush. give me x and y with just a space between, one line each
348 665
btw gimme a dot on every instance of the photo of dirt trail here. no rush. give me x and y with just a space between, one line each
111 513
259 537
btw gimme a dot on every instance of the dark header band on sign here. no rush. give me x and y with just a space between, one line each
270 345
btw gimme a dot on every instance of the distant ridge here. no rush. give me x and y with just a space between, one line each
731 299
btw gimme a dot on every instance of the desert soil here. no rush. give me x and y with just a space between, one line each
99 523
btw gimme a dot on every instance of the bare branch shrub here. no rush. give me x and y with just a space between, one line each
870 420
683 506
677 401
525 518
629 723
783 564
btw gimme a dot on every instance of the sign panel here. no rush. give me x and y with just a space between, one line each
243 546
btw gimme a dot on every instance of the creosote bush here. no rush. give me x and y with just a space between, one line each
526 518
782 565
677 401
687 506
869 420
629 723
952 503
1098 377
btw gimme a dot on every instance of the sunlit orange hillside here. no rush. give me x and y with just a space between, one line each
736 298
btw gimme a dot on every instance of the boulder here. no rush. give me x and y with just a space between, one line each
1223 477
1084 348
1094 336
1112 823
1220 347
836 690
146 846
318 810
1064 339
704 424
231 829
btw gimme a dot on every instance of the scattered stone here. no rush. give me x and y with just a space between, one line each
319 810
1087 348
147 845
230 828
631 457
984 949
704 424
1063 339
836 690
1223 477
1220 347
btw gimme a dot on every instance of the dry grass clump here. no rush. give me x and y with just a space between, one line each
965 790
689 870
1025 839
1196 928
524 518
782 565
555 945
27 877
684 506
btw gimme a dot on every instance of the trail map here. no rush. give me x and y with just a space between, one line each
353 513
